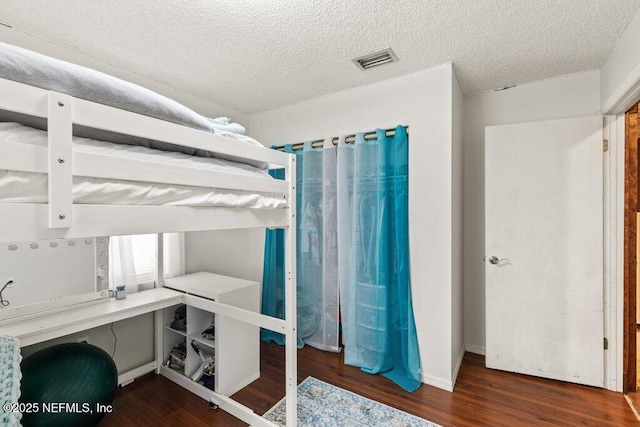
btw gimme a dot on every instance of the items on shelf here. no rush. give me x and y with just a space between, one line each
223 353
210 332
178 356
180 318
204 374
121 292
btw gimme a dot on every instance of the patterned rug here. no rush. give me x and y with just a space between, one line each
322 404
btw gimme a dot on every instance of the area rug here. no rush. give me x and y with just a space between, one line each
323 404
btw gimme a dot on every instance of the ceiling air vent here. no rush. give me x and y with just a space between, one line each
374 59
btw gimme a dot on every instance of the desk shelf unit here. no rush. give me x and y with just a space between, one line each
236 347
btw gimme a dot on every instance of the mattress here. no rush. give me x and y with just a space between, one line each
27 187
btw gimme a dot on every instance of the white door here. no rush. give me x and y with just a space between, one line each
544 249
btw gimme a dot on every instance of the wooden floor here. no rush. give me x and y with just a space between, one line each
481 397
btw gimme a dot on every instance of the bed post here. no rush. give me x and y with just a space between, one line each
160 262
291 366
59 126
158 318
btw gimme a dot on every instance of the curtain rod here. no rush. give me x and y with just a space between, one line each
348 140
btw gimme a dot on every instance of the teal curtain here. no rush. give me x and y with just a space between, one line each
378 326
273 282
353 234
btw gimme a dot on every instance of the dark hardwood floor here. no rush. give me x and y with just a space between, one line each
481 397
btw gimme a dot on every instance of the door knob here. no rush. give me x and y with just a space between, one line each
495 260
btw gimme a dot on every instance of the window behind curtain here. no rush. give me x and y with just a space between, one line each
145 252
132 259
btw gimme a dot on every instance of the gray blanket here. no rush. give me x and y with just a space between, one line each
41 71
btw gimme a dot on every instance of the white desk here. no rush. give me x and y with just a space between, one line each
45 327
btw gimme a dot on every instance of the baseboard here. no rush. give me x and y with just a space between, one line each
127 377
444 384
476 349
456 368
437 382
242 384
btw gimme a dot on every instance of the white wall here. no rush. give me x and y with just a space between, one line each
235 253
423 101
570 96
620 74
133 348
457 254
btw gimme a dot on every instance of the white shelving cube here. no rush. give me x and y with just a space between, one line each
237 344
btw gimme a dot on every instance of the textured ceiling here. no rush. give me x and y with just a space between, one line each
259 54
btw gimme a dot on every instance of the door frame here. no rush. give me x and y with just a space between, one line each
631 134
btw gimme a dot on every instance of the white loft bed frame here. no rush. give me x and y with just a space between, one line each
61 218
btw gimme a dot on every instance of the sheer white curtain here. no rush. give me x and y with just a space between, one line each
317 280
173 249
132 259
318 318
316 252
122 270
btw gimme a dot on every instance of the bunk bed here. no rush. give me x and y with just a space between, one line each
66 163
